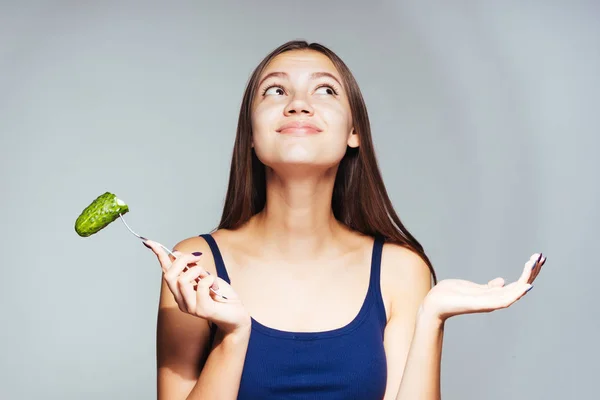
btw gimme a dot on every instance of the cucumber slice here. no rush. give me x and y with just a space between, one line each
104 210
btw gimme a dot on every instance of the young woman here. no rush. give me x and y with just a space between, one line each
322 292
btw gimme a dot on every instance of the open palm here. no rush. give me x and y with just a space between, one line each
452 297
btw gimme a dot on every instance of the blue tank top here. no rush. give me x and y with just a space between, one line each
343 363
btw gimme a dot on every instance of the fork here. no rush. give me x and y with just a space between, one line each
164 248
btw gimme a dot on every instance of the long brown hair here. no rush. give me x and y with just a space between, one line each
360 199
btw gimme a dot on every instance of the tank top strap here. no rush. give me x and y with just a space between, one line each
376 260
219 264
375 279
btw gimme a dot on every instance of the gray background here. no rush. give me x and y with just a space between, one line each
485 119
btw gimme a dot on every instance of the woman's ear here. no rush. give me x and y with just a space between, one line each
353 140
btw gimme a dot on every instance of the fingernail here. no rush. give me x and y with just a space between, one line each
197 253
144 243
537 261
531 287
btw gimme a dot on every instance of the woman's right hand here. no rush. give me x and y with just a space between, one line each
190 285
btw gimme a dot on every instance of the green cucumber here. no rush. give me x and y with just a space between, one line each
104 210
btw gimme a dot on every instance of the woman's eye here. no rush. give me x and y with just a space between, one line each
276 90
325 90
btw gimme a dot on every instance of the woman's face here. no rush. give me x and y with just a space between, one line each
300 113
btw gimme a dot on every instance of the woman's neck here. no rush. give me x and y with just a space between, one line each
297 220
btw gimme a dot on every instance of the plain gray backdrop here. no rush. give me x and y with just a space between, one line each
485 119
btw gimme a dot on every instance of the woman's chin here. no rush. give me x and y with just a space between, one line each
300 160
301 166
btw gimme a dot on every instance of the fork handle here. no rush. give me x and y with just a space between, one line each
167 250
171 253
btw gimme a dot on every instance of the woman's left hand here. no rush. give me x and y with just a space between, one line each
452 297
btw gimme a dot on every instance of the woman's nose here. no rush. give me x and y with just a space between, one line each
298 106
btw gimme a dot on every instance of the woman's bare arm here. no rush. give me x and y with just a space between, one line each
414 334
187 368
181 348
406 281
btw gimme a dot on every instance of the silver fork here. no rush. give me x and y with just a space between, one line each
164 248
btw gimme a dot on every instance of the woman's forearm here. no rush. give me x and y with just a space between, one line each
222 372
421 377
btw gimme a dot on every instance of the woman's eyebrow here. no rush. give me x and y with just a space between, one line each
284 75
273 74
316 75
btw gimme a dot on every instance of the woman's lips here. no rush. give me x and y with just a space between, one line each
299 128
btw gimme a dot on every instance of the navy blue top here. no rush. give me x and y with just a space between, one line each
343 363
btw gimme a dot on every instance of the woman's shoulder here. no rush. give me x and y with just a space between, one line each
403 270
192 244
198 244
402 263
405 278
